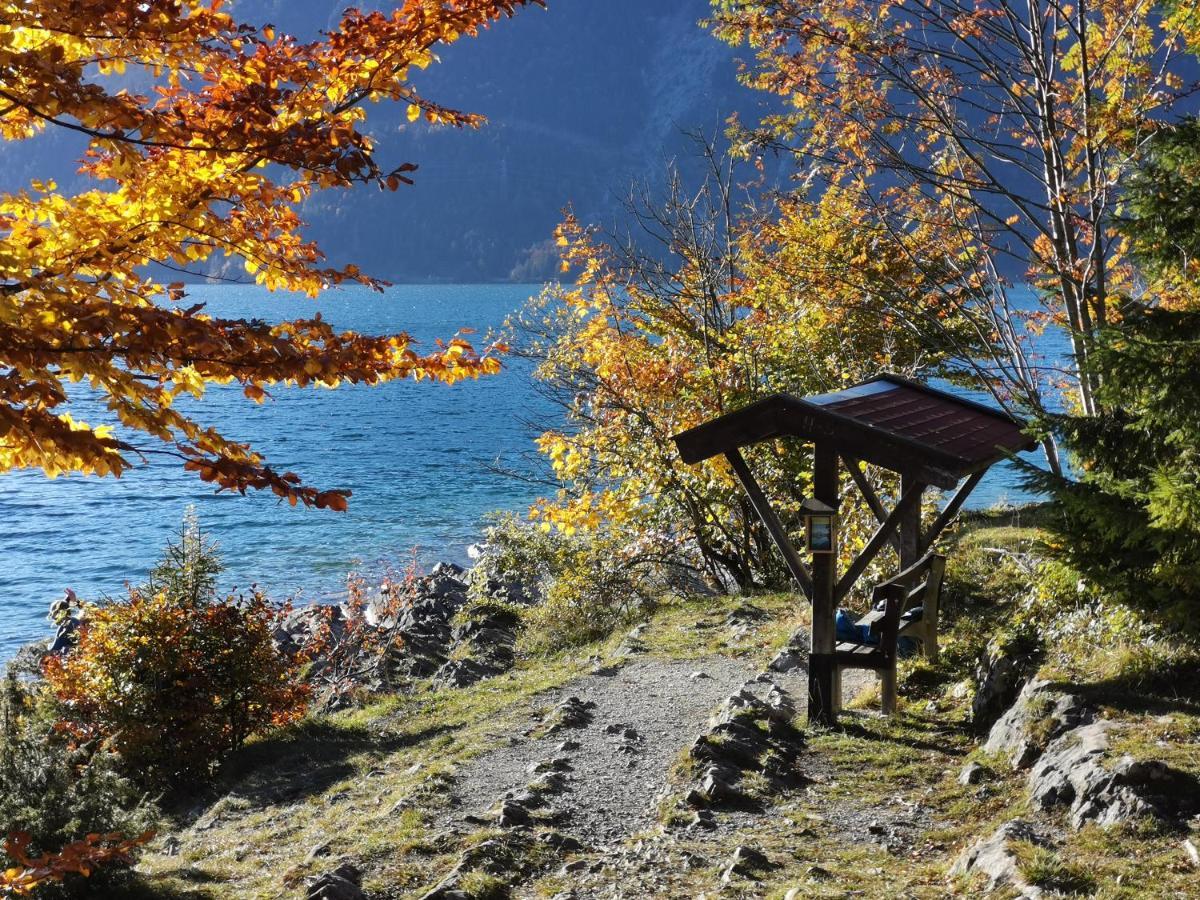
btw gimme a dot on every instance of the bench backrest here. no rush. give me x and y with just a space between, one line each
921 581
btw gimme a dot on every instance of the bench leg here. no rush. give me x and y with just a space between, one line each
837 688
887 690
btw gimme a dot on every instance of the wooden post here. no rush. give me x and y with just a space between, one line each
821 703
910 553
910 524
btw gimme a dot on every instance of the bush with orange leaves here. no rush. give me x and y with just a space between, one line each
175 676
82 857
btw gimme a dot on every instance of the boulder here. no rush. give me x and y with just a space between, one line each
993 856
343 883
999 674
512 814
1073 772
746 862
788 660
1040 714
571 713
972 773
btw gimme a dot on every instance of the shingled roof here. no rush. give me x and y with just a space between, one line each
890 421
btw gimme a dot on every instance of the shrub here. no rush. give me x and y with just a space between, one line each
587 583
173 677
55 792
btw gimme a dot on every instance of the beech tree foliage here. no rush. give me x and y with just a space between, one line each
204 135
1013 121
720 301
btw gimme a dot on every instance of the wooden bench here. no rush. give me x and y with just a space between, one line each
918 585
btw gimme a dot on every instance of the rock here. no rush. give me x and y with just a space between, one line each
321 849
1072 771
788 660
717 790
512 814
343 883
703 819
1039 715
746 862
994 858
998 678
449 570
464 672
696 676
972 773
571 713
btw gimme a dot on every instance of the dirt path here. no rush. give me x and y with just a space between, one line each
604 773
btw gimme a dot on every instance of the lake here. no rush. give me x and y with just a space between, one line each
418 458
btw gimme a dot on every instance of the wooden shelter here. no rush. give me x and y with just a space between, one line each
928 436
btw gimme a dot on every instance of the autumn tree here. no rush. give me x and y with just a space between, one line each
1013 122
1129 520
176 675
716 297
236 126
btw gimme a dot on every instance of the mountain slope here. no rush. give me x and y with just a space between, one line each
581 99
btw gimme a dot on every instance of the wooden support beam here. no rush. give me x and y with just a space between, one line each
822 668
868 493
947 515
774 527
908 501
910 523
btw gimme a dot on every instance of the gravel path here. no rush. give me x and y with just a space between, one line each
606 773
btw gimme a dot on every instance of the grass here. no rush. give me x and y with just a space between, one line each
883 814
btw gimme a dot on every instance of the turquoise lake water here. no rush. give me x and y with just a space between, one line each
416 456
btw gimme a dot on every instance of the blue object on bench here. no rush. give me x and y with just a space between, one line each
907 646
846 629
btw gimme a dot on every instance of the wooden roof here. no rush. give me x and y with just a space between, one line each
890 421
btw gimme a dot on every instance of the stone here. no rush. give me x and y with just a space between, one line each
994 857
697 675
1039 715
1073 771
972 773
343 883
746 862
572 713
321 849
998 678
787 661
512 814
717 790
563 843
